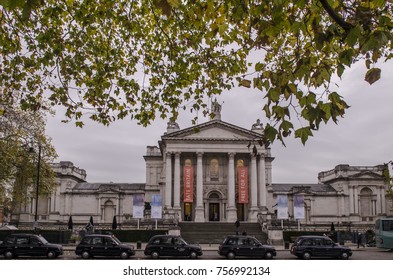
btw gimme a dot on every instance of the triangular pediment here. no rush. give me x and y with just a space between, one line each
366 175
213 130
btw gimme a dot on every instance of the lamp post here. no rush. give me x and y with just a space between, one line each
37 185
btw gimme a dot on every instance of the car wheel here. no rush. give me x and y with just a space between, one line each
124 255
193 255
155 255
9 255
306 256
231 255
51 255
344 255
85 255
268 255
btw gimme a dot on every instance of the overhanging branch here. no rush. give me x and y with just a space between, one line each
336 17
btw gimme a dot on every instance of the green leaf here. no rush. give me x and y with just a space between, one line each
373 75
303 134
270 133
353 36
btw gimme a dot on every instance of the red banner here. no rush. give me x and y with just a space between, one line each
242 182
188 179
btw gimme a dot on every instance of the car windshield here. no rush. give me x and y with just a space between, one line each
116 240
42 239
180 241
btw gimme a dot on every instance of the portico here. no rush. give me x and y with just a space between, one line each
213 174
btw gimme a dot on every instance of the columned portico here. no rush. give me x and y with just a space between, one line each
202 167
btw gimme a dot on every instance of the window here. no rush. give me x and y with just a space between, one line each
97 240
307 242
231 241
10 240
22 240
86 240
156 241
34 241
108 241
252 242
328 242
387 225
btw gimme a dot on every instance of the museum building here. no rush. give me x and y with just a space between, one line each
213 172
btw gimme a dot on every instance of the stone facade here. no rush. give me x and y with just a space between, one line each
196 171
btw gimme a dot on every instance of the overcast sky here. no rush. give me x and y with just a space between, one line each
363 137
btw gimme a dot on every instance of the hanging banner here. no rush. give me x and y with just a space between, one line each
282 207
298 207
242 182
188 179
139 206
156 206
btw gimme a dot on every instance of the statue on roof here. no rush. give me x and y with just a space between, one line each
172 125
257 125
216 109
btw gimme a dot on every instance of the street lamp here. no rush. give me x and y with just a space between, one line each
37 184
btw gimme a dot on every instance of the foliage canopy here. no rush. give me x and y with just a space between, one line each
21 135
146 59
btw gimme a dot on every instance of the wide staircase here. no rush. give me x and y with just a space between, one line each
215 232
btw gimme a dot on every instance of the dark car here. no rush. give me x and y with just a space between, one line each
103 245
307 247
33 245
245 246
171 246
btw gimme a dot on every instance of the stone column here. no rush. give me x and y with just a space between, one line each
383 200
176 189
351 203
168 181
253 211
356 197
199 210
231 209
262 185
378 201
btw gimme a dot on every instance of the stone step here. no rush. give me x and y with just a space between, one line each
215 232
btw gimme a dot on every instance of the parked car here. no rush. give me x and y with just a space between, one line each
307 247
103 245
245 246
171 246
33 245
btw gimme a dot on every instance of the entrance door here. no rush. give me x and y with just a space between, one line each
240 212
214 212
187 211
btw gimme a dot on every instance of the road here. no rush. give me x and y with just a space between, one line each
362 254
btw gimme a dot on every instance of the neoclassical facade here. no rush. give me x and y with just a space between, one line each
214 171
213 154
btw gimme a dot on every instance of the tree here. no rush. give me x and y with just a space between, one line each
387 174
19 132
110 59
